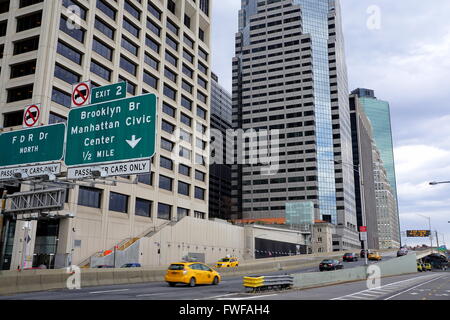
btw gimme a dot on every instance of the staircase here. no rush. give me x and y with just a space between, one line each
125 244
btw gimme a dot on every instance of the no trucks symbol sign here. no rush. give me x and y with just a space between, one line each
81 94
31 116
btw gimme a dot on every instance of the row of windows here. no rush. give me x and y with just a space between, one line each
92 197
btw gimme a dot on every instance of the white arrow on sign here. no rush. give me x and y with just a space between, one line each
134 142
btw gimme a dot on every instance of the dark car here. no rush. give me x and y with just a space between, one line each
402 252
350 257
104 267
132 265
327 265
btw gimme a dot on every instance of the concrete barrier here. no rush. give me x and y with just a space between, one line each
28 281
393 267
8 282
121 276
89 278
52 279
105 277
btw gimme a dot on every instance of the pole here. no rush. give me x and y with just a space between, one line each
437 238
431 233
4 238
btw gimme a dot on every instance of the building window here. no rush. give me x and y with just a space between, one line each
104 28
143 208
118 202
77 34
200 175
56 118
199 215
66 75
167 145
102 49
23 69
182 212
90 197
200 193
164 211
184 188
165 183
61 97
184 170
166 163
69 53
12 119
20 93
30 21
27 45
100 71
106 9
146 179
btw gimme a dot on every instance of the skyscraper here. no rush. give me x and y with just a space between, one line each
289 74
366 204
379 114
161 47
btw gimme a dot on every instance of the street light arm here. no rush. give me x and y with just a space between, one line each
434 183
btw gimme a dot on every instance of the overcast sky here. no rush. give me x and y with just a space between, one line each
407 62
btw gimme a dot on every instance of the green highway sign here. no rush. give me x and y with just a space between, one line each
113 131
108 93
32 146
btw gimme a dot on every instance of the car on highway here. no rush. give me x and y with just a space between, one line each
328 265
227 263
428 267
375 256
132 265
191 273
350 257
402 252
419 267
104 267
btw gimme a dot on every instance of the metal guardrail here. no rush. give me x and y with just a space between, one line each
261 283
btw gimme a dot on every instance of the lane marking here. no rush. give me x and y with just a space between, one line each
390 287
256 297
223 295
152 294
395 295
109 291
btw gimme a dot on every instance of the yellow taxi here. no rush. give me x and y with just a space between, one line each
419 267
428 267
374 256
227 263
191 273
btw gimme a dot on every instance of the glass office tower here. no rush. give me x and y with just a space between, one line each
289 74
379 114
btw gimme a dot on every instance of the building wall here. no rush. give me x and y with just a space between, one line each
323 237
100 228
388 223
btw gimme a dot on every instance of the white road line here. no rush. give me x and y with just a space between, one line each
223 295
395 295
390 287
152 294
109 291
256 297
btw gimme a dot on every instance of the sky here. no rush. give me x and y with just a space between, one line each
400 49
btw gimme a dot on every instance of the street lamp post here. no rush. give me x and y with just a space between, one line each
429 224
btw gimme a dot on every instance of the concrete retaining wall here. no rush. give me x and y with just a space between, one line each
393 267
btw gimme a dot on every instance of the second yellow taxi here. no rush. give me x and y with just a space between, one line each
374 256
191 273
227 263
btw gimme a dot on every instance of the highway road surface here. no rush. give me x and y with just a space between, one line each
229 287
